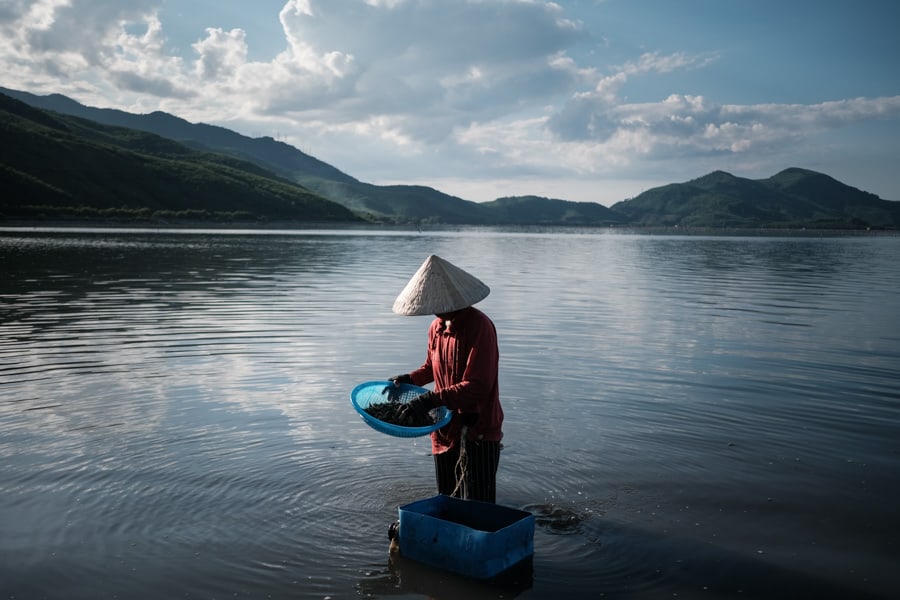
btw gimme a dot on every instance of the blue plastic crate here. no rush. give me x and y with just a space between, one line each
476 539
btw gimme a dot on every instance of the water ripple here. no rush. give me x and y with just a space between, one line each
175 414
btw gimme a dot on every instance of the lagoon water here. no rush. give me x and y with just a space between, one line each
687 416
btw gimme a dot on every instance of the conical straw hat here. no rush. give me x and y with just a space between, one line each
439 287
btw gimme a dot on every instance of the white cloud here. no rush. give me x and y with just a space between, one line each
597 129
221 53
425 66
86 28
139 64
587 114
692 124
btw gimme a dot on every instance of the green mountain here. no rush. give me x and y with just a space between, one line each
273 155
793 198
397 203
400 203
70 160
55 166
535 210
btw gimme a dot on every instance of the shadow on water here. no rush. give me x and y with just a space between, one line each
654 566
406 576
626 563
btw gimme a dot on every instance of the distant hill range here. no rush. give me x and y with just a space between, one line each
794 198
62 160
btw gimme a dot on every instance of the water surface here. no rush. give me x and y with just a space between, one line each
686 415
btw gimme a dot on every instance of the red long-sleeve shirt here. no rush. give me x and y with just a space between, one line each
462 361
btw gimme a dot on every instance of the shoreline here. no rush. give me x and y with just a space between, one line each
61 226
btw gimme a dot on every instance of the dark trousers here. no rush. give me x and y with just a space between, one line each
479 480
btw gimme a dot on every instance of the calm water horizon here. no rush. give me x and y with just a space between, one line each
709 416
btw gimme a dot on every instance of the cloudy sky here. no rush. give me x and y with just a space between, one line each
591 100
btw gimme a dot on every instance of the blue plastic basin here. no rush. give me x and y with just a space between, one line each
373 392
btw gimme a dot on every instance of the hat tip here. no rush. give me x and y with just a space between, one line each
439 287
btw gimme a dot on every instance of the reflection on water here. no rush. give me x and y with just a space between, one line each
685 415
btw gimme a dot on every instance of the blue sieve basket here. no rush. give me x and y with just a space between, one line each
373 392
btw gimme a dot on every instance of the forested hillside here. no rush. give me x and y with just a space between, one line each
62 160
55 166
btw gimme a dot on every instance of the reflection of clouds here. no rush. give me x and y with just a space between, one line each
296 327
241 326
77 402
